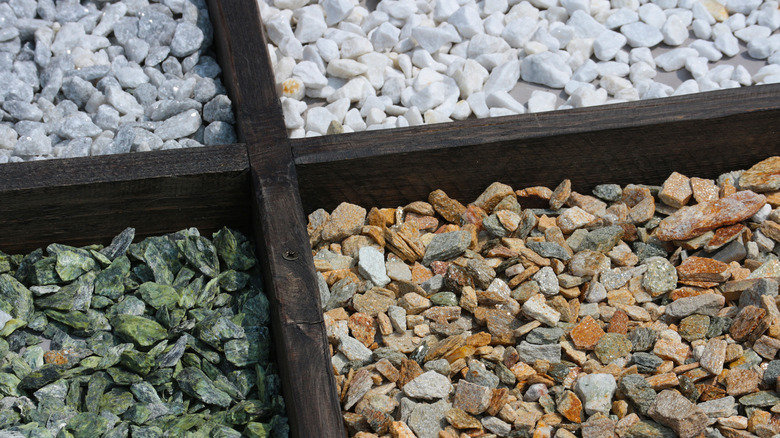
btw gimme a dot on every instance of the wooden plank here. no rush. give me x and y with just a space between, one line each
641 142
89 200
280 231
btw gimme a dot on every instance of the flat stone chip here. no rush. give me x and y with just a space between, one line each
689 222
762 177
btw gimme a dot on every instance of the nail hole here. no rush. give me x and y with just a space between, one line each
290 255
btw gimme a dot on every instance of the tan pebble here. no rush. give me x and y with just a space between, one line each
704 190
539 192
493 195
740 382
399 429
676 190
560 195
695 220
734 422
663 381
757 419
574 218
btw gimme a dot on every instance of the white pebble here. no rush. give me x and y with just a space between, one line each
675 59
707 50
471 78
502 99
587 72
478 106
702 29
318 119
641 34
697 66
606 45
675 31
467 21
310 74
546 68
461 111
742 76
337 10
621 17
504 77
541 101
688 87
613 68
355 46
346 68
652 14
584 25
727 44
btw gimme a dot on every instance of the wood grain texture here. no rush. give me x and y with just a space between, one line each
89 200
280 228
641 142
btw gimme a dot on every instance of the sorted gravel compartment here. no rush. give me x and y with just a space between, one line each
346 66
527 320
96 78
167 336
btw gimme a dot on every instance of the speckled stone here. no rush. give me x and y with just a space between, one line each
544 335
694 327
612 346
472 398
660 277
673 410
646 362
638 391
642 338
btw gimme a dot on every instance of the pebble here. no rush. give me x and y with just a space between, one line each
596 392
117 59
498 325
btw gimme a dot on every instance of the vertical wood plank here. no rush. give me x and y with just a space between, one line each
279 223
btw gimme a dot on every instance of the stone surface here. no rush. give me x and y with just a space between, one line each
596 392
695 220
678 413
428 386
762 177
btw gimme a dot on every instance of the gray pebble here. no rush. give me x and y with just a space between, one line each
205 90
186 39
24 8
77 125
146 94
130 75
155 27
219 133
46 10
188 63
23 110
219 109
125 29
163 109
123 141
544 335
156 55
145 141
136 50
79 147
107 117
77 90
171 66
207 67
179 126
36 143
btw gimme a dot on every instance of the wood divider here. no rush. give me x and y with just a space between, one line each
280 226
637 142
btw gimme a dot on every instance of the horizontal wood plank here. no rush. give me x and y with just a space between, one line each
89 200
639 142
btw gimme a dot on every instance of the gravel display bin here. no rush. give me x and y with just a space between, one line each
267 184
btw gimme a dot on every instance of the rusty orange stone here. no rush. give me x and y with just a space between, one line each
771 229
762 177
689 222
493 195
420 273
703 269
750 322
478 339
381 217
56 357
633 195
618 323
399 429
773 198
540 192
586 334
499 398
408 372
570 406
450 209
710 392
422 222
685 292
474 215
724 235
444 346
388 370
460 353
439 268
362 327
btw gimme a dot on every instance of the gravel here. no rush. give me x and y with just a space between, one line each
491 324
402 63
96 78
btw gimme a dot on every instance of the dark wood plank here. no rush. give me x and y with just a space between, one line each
643 142
89 200
280 230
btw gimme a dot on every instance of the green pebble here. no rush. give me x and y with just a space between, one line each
444 299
